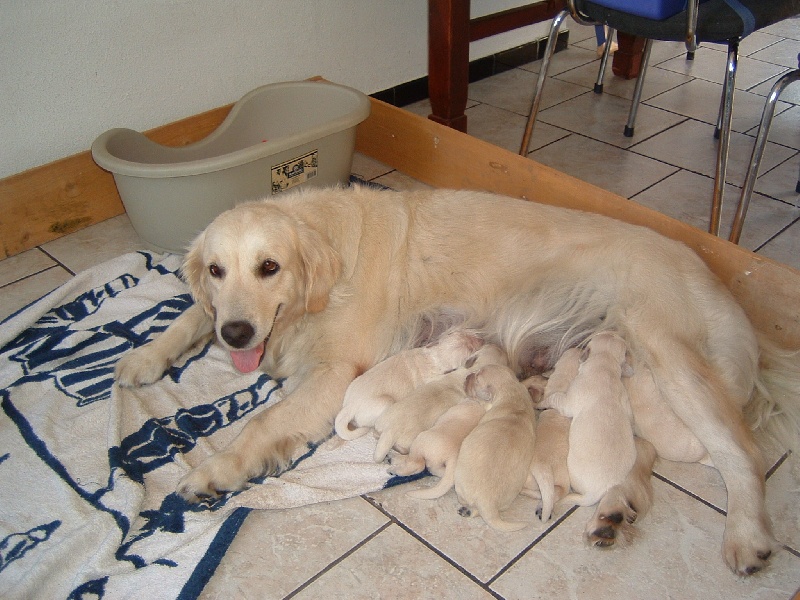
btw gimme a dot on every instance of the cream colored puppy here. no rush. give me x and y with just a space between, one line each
655 421
495 458
549 471
438 448
624 503
601 446
565 370
370 394
404 420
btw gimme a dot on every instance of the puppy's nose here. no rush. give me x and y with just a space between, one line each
237 333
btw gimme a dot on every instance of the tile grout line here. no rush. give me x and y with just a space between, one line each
432 548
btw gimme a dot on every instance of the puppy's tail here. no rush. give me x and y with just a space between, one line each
342 425
774 408
547 489
496 522
441 488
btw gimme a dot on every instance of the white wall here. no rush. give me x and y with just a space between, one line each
71 69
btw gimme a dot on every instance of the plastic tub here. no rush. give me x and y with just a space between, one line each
275 138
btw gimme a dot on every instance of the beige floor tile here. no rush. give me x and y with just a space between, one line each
24 264
786 247
785 127
609 167
781 182
687 197
788 28
700 100
676 554
783 53
603 117
96 244
710 63
277 551
21 293
497 126
393 565
782 489
691 146
368 168
513 91
790 94
469 542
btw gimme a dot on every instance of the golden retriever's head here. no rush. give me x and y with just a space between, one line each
255 270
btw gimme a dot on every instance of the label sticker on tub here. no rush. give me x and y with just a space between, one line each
294 172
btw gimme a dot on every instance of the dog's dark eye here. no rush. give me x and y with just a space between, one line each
268 268
215 271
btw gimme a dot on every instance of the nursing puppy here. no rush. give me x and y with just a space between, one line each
654 421
495 458
623 504
549 471
601 446
373 392
417 411
437 448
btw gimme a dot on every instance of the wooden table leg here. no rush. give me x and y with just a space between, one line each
628 58
448 61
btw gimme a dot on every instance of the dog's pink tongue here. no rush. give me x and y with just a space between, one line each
247 361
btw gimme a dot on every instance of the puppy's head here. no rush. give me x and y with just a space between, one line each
484 384
256 269
613 344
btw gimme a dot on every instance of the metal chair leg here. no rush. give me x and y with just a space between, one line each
758 151
725 136
637 91
598 86
537 96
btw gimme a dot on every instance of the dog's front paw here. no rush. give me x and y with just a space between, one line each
140 366
747 554
219 474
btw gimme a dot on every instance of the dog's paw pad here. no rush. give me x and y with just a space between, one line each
464 511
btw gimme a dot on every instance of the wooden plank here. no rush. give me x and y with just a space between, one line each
443 157
46 202
513 18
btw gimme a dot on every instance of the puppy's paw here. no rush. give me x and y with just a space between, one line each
611 523
748 554
219 474
140 366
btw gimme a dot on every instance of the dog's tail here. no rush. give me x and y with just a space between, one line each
774 408
343 425
441 488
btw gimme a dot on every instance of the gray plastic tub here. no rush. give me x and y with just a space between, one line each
275 138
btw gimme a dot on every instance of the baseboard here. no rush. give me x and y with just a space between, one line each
481 68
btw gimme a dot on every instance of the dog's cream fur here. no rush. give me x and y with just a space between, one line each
417 411
371 394
624 503
332 281
549 471
601 447
437 448
495 458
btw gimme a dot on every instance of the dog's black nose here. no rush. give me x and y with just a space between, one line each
237 333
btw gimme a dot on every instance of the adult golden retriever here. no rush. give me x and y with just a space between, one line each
323 284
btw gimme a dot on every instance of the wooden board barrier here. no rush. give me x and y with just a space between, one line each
49 201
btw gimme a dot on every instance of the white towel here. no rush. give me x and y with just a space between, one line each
88 470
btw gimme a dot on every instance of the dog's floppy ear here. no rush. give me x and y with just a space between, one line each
193 271
321 267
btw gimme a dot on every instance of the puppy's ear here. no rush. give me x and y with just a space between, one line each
321 267
585 354
194 273
627 366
